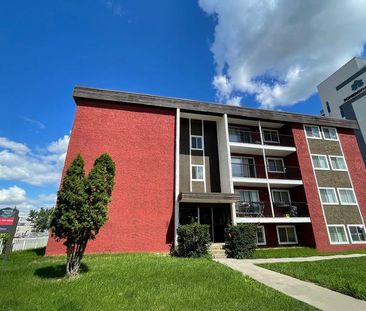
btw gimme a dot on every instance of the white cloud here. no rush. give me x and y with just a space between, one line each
16 196
12 196
280 50
13 146
115 7
19 163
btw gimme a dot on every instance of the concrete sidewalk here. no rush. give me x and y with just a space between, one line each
317 296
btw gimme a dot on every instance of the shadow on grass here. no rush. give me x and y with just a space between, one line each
56 271
39 251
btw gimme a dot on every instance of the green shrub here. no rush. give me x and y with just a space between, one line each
240 241
193 240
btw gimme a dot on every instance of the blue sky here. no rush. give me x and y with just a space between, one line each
48 47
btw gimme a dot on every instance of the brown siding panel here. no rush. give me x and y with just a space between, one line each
184 168
342 214
211 157
321 146
336 179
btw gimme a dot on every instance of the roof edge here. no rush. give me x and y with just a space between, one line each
82 92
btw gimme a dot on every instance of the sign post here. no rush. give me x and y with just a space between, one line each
9 218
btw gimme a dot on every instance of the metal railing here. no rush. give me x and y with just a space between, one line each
259 171
240 135
263 209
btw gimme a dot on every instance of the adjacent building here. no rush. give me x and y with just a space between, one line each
300 178
343 96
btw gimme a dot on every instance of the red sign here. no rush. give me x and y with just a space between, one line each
6 221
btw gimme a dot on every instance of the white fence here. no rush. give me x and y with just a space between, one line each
21 244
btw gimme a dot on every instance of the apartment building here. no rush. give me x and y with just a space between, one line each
343 96
300 178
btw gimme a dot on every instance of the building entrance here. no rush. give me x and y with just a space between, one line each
217 216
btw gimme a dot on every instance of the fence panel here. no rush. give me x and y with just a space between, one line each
21 244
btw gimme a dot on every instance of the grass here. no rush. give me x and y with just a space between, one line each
347 276
287 252
30 281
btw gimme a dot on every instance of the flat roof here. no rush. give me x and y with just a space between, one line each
119 98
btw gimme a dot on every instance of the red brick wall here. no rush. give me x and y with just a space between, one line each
141 142
311 191
358 175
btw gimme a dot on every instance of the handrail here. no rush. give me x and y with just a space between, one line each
254 137
258 171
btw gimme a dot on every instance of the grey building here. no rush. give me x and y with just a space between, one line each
343 95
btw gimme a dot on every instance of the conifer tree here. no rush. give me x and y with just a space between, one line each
81 208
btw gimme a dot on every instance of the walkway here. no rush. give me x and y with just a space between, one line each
319 297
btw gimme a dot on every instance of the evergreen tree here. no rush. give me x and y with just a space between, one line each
81 208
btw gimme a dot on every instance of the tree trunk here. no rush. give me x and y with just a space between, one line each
75 252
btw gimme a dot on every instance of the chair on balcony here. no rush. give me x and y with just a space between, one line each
253 209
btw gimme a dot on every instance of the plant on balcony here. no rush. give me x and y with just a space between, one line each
193 240
240 241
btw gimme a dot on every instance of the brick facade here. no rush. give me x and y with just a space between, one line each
141 142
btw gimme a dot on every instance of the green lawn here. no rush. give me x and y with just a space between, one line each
347 276
30 281
298 252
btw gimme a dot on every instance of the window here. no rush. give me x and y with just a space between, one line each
357 233
328 107
330 133
337 234
275 165
337 163
197 172
261 236
249 195
320 162
242 167
196 142
271 136
281 196
312 131
286 235
239 135
347 196
328 196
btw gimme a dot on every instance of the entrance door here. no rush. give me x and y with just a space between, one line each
221 220
218 218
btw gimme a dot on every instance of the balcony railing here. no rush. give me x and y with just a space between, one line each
263 209
239 135
259 171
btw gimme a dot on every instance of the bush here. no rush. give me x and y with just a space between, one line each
193 240
240 241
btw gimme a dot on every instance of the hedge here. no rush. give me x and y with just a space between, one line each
240 241
193 240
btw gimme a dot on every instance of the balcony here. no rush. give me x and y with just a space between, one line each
255 175
262 212
250 142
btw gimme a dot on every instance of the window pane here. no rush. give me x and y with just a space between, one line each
347 196
333 234
234 135
282 234
276 196
330 133
197 172
260 235
337 234
338 163
320 161
271 165
291 234
196 142
328 196
357 233
312 131
341 234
